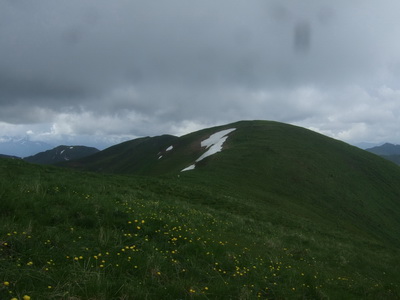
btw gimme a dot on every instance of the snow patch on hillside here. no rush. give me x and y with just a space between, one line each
214 144
170 148
191 167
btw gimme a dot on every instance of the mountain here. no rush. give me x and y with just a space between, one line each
252 209
291 168
21 147
9 156
385 149
138 156
366 145
60 154
388 151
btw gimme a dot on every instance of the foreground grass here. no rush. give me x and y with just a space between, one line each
68 235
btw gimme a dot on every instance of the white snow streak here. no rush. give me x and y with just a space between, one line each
191 167
170 148
214 144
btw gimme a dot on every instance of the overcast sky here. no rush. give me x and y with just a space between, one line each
96 71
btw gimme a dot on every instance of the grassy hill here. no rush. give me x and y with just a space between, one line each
293 169
280 213
136 156
60 154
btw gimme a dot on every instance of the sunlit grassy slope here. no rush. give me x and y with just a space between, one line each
280 213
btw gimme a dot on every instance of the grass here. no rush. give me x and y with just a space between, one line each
72 235
299 217
307 175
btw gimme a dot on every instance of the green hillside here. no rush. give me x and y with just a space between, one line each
61 154
309 175
274 164
139 155
280 213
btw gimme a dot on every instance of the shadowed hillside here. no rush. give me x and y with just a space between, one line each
60 154
268 211
137 156
279 165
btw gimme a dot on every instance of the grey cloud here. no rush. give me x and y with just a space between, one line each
172 42
192 62
26 87
24 114
302 36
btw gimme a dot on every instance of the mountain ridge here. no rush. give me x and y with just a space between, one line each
275 211
385 149
286 166
21 146
388 151
61 153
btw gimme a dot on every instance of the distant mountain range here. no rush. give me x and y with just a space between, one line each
56 155
260 158
21 147
389 151
43 153
9 156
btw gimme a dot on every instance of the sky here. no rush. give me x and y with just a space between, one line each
98 72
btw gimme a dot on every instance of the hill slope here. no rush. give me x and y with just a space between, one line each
60 154
266 210
282 166
9 156
70 235
139 155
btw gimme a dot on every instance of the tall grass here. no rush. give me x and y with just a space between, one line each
70 235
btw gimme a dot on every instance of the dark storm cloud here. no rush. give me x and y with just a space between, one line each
302 36
175 62
28 88
98 45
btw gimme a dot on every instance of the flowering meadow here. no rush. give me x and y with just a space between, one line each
70 235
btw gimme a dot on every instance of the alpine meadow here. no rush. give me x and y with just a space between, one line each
248 210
